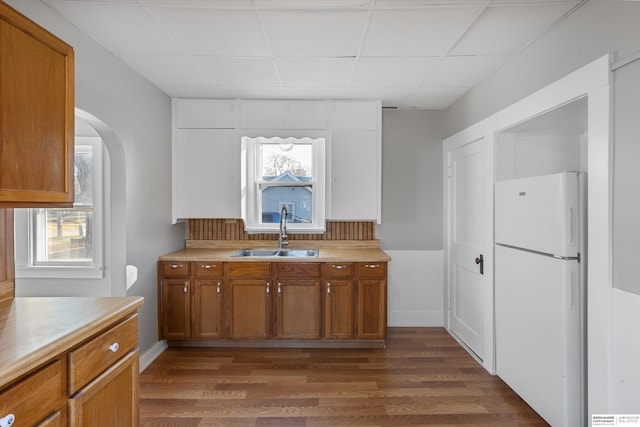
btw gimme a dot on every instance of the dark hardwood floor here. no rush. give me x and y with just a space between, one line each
422 378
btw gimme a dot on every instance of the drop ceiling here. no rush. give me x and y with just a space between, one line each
409 53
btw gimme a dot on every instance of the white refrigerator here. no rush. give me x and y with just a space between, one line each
540 296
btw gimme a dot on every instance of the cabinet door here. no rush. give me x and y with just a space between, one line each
372 309
206 303
36 114
111 399
259 114
250 313
206 173
355 177
339 309
298 308
176 309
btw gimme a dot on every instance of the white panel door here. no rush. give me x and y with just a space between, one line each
468 200
206 173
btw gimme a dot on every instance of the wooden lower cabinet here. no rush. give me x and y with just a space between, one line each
257 301
339 309
95 383
298 301
249 291
372 300
190 300
106 401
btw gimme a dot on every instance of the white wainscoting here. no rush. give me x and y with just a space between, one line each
626 353
415 288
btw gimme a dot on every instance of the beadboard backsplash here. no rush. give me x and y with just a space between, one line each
233 229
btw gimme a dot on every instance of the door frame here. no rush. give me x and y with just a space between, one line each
592 81
450 145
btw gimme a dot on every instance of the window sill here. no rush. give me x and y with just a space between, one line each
59 272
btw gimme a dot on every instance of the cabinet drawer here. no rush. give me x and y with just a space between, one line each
339 269
372 269
298 269
35 397
93 357
175 268
244 270
206 269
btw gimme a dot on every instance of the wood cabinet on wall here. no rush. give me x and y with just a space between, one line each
36 114
207 158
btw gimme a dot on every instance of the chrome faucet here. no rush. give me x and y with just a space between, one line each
282 239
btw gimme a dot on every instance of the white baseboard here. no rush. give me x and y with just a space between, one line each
150 355
415 318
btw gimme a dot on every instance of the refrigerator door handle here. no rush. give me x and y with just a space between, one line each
480 262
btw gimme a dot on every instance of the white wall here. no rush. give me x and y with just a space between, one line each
134 119
597 28
411 229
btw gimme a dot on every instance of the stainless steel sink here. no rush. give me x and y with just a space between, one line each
256 252
267 253
299 253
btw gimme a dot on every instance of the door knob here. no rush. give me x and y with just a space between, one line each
480 262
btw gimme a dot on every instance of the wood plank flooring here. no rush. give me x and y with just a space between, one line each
422 378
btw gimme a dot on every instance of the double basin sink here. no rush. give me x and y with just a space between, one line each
268 253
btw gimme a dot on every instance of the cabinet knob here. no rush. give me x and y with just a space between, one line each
372 265
328 288
338 267
268 288
279 288
208 266
114 347
218 289
175 266
7 420
186 287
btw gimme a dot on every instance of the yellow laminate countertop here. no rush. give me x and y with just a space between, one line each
326 254
35 329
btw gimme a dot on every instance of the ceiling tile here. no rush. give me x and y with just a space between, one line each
318 33
313 4
392 71
121 28
391 97
463 70
331 72
213 32
421 32
238 71
504 30
433 98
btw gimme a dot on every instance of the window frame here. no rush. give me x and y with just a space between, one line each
27 265
252 185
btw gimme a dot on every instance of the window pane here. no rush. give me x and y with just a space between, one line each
297 199
64 235
84 175
286 159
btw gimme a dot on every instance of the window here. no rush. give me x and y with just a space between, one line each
67 242
283 172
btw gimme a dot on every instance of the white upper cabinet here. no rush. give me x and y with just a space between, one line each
206 173
354 115
282 115
354 174
206 152
206 113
